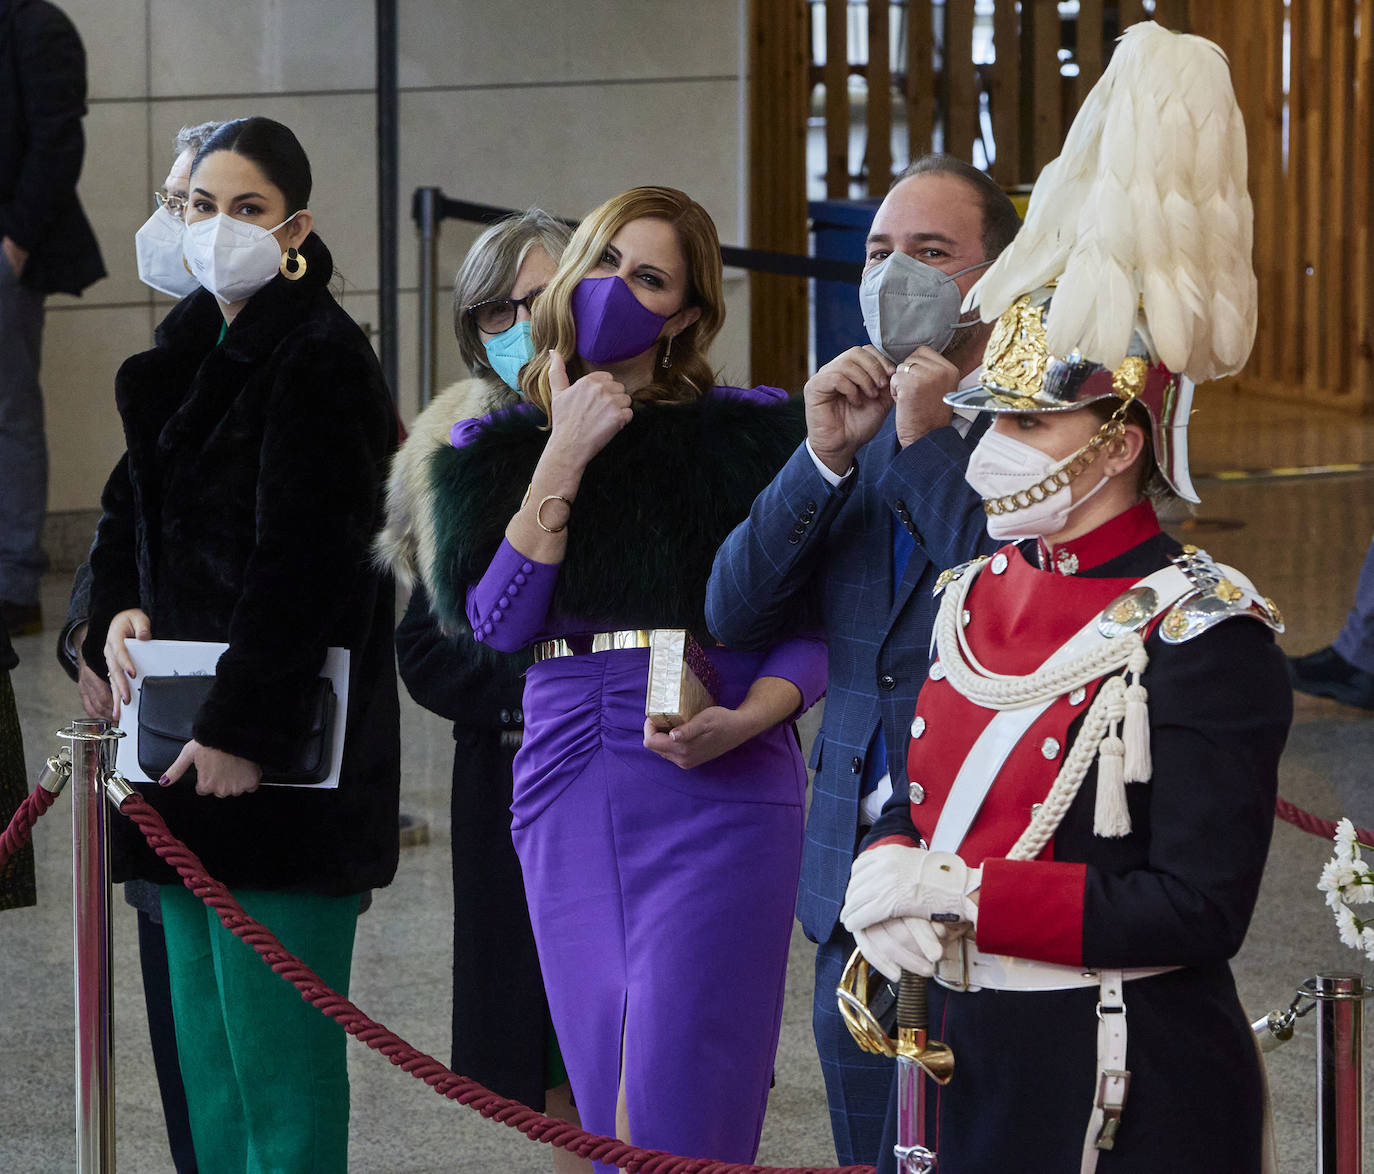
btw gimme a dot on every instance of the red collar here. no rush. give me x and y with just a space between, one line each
1115 536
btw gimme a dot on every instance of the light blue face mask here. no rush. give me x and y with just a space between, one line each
508 351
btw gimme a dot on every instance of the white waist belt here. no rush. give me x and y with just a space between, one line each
967 968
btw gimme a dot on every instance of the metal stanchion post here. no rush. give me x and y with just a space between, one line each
1340 1078
427 213
93 749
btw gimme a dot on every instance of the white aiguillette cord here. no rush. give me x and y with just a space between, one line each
1085 656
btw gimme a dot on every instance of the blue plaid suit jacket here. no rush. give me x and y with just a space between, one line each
805 538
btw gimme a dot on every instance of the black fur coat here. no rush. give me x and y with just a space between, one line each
652 509
242 512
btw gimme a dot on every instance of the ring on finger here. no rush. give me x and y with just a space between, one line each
906 368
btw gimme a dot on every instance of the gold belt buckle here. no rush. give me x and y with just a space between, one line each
626 638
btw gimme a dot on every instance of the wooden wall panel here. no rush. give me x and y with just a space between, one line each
920 80
961 78
1005 96
836 100
779 57
1047 119
879 98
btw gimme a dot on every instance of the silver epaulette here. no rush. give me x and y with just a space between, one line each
1218 593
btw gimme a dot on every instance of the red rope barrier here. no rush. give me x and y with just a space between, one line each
21 823
442 1080
1291 813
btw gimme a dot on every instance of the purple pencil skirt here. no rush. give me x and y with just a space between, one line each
661 899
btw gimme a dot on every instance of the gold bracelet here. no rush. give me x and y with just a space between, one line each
539 514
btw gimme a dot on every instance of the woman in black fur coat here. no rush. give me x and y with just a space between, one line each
660 868
258 432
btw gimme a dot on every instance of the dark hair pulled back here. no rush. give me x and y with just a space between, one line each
276 151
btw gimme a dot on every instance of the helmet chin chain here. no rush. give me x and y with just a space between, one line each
1112 429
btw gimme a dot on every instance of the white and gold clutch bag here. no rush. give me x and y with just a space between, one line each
682 680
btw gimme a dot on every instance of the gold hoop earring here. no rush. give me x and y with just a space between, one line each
292 265
667 360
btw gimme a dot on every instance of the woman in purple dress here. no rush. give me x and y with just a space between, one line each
661 868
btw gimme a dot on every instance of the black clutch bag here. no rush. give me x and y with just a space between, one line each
167 708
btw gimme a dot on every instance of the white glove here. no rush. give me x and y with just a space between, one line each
902 943
893 880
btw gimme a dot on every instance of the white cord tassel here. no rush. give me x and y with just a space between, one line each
1136 728
1111 818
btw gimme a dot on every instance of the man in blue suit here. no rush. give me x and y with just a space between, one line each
857 526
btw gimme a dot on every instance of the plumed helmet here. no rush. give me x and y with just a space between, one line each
1132 275
1020 374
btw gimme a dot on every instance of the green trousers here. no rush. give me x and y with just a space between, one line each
265 1073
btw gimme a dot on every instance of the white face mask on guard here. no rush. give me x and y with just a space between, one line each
158 248
232 258
1012 475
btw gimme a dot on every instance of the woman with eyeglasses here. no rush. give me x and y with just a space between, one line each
258 431
502 1035
660 867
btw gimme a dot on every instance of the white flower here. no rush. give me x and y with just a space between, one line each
1367 941
1345 839
1349 930
1336 876
1360 890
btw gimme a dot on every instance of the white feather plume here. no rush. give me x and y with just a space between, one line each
1144 217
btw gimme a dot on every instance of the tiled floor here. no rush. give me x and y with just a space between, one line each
1301 538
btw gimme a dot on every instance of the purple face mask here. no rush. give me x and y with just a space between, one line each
611 323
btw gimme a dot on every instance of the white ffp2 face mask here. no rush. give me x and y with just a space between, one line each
232 258
158 247
1001 466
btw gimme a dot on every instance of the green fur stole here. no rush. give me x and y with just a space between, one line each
653 507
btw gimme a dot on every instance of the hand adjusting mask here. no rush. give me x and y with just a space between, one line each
908 304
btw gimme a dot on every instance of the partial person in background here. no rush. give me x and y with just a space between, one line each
660 868
502 1033
160 265
1344 669
18 887
259 430
46 246
860 521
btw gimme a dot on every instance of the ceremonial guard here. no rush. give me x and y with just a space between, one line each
1093 760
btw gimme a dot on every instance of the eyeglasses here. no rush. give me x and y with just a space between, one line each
498 314
176 205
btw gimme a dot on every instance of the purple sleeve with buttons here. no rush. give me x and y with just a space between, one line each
508 606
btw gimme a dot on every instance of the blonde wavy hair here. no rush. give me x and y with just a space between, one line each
690 375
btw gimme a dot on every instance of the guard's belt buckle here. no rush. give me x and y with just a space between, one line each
955 984
1111 1104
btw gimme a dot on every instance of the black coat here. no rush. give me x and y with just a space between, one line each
495 965
242 512
42 102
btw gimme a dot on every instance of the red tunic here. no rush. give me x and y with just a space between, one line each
1018 615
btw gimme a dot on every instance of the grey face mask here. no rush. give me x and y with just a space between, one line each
908 304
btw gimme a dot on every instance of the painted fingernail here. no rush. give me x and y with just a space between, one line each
164 781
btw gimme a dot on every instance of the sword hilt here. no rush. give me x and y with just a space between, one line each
912 1011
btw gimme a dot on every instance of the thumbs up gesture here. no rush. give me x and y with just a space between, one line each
586 414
